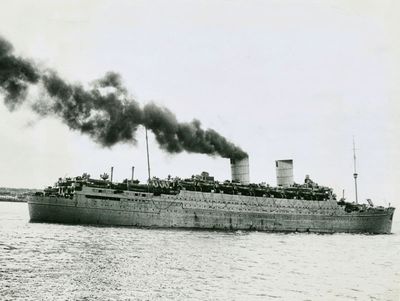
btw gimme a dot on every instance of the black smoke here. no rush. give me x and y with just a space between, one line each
108 117
174 136
15 75
104 111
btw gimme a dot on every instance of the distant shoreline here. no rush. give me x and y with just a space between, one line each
12 200
16 195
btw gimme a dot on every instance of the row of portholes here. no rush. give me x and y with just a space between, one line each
246 209
143 208
277 211
138 200
239 215
239 203
205 206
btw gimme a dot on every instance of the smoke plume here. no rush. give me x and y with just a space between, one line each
15 75
104 111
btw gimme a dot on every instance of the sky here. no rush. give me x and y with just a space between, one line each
281 79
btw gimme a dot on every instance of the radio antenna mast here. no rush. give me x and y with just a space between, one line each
355 170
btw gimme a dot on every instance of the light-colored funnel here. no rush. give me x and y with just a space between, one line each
284 173
240 170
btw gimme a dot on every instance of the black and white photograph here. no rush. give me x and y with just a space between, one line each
199 150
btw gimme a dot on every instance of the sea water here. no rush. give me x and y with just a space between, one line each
41 261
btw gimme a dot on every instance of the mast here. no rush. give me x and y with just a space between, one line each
148 157
355 170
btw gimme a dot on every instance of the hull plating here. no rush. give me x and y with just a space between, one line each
209 211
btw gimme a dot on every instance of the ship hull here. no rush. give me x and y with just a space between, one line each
194 210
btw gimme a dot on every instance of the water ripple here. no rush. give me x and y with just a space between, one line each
61 262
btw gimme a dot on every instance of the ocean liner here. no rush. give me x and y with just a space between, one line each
201 202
